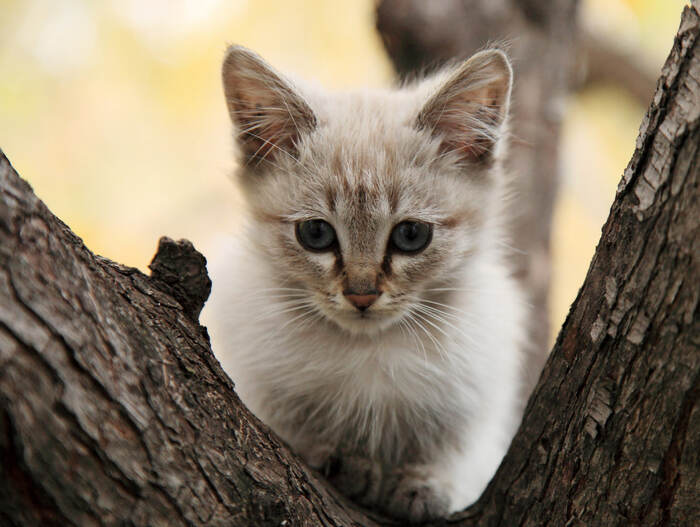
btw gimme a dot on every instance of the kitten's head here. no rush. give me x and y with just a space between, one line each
369 202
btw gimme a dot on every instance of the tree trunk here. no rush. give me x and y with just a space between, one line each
419 34
114 411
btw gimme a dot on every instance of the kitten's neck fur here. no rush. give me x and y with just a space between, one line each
425 381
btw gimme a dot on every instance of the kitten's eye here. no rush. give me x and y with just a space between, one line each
411 236
315 235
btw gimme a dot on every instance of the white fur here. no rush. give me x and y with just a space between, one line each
478 373
437 352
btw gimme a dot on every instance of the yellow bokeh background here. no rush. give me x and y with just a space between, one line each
113 111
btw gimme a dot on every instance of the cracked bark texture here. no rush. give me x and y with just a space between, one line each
113 410
419 34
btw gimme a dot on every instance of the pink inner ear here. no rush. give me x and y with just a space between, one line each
268 115
259 146
467 112
469 130
474 149
262 128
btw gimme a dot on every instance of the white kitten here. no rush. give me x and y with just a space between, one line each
368 316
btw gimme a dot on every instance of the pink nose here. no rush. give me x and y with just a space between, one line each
362 301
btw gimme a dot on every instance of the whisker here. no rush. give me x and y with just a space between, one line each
419 341
283 307
437 315
441 312
460 314
424 318
267 142
282 289
427 332
510 247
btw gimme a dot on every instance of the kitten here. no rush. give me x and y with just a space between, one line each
368 316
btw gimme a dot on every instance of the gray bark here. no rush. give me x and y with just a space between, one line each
114 411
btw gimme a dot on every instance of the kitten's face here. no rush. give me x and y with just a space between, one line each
366 204
363 202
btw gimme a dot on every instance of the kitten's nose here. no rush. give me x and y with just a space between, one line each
362 300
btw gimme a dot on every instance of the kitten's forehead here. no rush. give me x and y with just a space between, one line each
366 147
363 190
363 206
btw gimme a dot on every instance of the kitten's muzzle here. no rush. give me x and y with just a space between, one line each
362 300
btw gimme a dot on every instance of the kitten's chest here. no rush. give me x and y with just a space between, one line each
382 371
380 394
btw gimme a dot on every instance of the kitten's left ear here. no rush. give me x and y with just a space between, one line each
268 113
469 109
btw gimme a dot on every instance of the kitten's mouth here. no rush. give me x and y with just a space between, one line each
367 322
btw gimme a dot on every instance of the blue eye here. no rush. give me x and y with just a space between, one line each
315 235
411 236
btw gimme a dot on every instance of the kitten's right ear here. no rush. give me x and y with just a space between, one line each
468 111
269 115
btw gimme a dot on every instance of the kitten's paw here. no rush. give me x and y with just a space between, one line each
359 478
414 496
317 456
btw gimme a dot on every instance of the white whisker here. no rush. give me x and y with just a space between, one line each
417 320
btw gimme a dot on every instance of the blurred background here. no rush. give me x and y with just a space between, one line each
113 111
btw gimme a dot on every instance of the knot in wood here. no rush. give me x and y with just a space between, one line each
180 271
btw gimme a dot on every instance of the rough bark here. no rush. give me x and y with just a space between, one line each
419 34
114 411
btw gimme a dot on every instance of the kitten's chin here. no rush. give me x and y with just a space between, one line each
367 323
